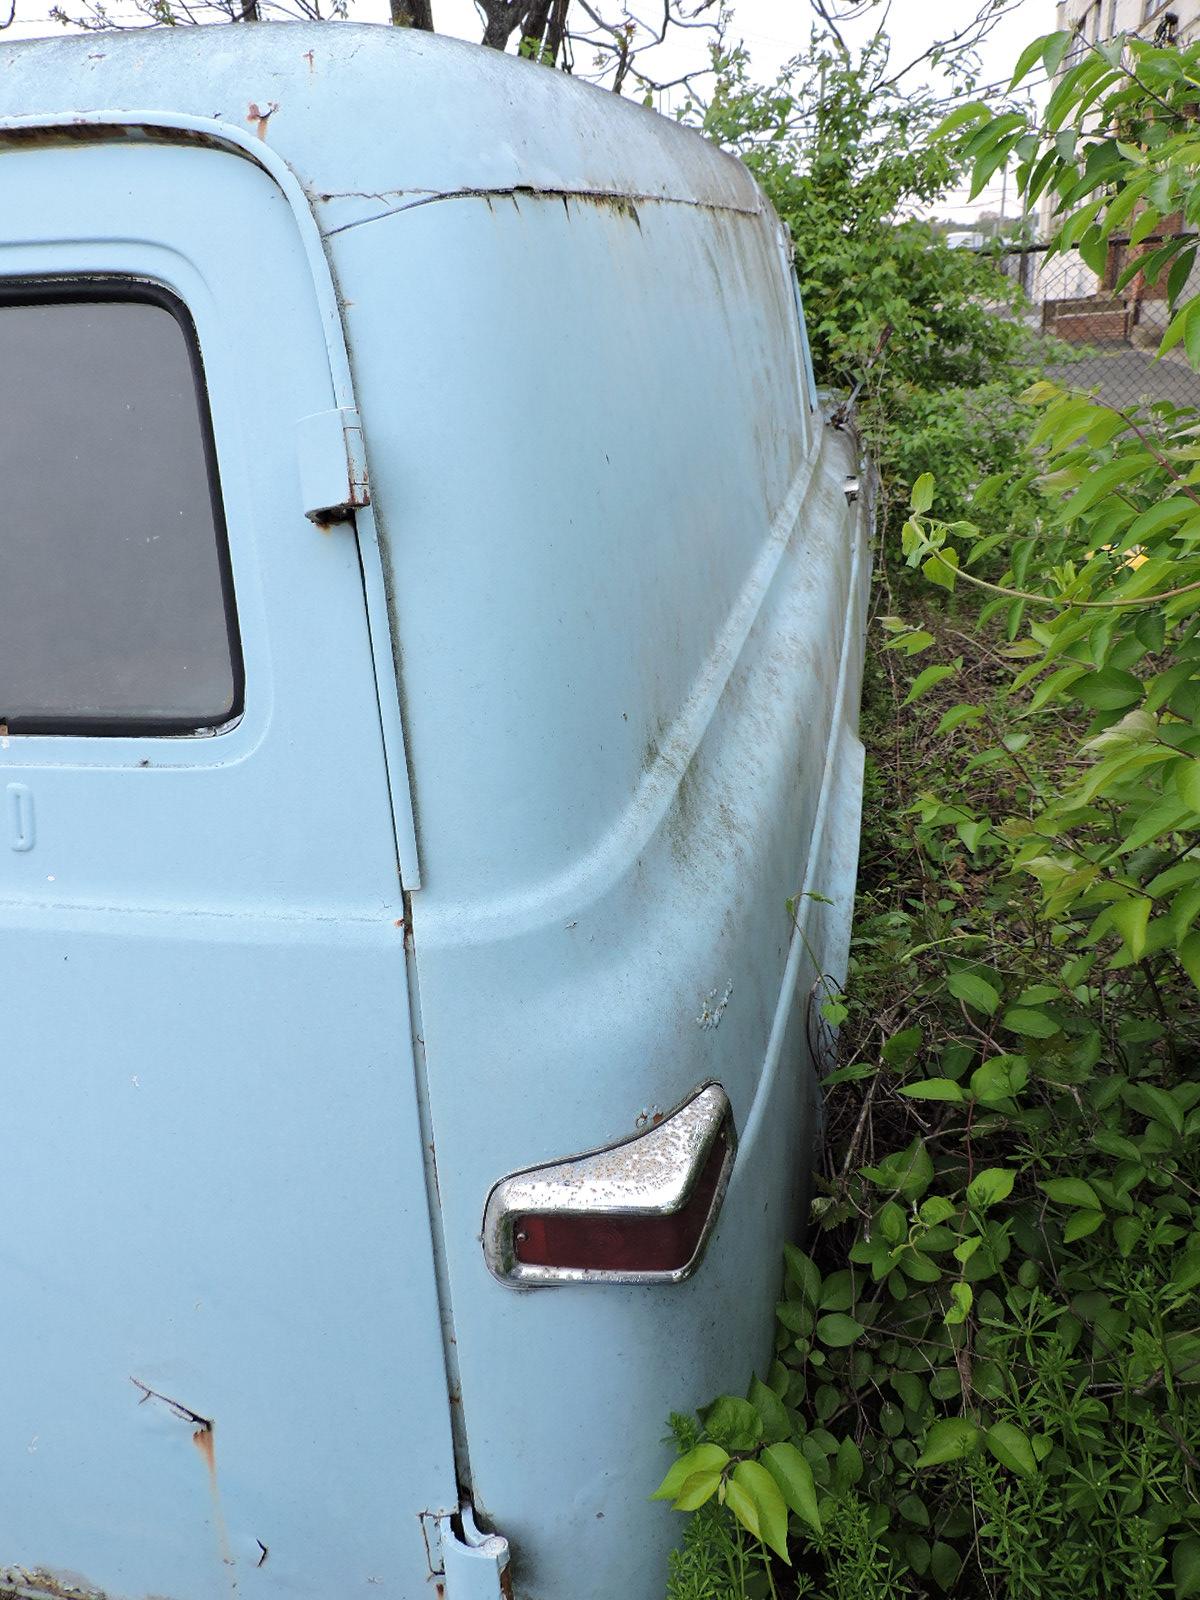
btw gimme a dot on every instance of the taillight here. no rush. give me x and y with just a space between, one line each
639 1211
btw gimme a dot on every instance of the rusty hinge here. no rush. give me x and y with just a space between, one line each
468 1564
333 464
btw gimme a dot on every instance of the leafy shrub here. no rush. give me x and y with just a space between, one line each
987 1372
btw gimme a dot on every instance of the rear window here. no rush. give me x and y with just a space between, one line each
116 611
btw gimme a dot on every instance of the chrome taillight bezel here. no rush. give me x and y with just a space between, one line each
653 1173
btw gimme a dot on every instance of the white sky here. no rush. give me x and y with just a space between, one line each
773 31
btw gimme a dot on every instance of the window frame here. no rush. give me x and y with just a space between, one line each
92 288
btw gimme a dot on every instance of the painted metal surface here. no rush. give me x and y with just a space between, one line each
610 580
218 1232
631 742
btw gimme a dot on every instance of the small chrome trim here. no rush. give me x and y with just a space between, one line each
648 1174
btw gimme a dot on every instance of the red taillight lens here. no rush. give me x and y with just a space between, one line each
623 1241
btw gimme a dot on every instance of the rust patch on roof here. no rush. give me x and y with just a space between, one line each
260 118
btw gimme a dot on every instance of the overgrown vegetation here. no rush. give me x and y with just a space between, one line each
987 1373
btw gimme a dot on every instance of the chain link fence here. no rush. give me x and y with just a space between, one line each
1105 339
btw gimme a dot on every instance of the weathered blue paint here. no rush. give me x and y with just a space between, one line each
599 631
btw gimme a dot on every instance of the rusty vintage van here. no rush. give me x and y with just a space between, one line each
431 618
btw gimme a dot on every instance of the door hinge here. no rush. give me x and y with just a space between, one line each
469 1565
333 464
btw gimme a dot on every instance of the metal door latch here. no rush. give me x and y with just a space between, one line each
333 468
469 1565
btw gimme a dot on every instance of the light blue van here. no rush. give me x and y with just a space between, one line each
431 618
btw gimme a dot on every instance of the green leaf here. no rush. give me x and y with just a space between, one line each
922 493
1028 58
976 991
1054 50
1187 783
1071 1192
902 1047
741 1502
990 1186
1185 1568
961 1298
704 1458
924 681
851 1073
1156 1103
1127 1231
733 1423
1186 1275
949 1440
776 1422
1109 690
794 1478
1012 1449
975 111
838 1330
1030 1024
1001 1078
941 567
1099 483
933 1089
696 1490
944 1565
908 1172
803 1272
964 712
771 1512
1081 1225
849 1469
1130 918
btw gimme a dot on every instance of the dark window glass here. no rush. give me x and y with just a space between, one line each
115 604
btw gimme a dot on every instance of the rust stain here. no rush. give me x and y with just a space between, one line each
261 117
312 67
205 1442
206 1445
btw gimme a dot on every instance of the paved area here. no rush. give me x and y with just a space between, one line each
1126 376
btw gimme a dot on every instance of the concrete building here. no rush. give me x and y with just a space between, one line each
1166 21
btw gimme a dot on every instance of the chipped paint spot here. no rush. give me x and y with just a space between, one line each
712 1009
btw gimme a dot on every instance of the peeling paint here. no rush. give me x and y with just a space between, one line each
712 1009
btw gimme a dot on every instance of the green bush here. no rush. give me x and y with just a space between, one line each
987 1372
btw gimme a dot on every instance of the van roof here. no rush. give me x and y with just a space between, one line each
372 118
